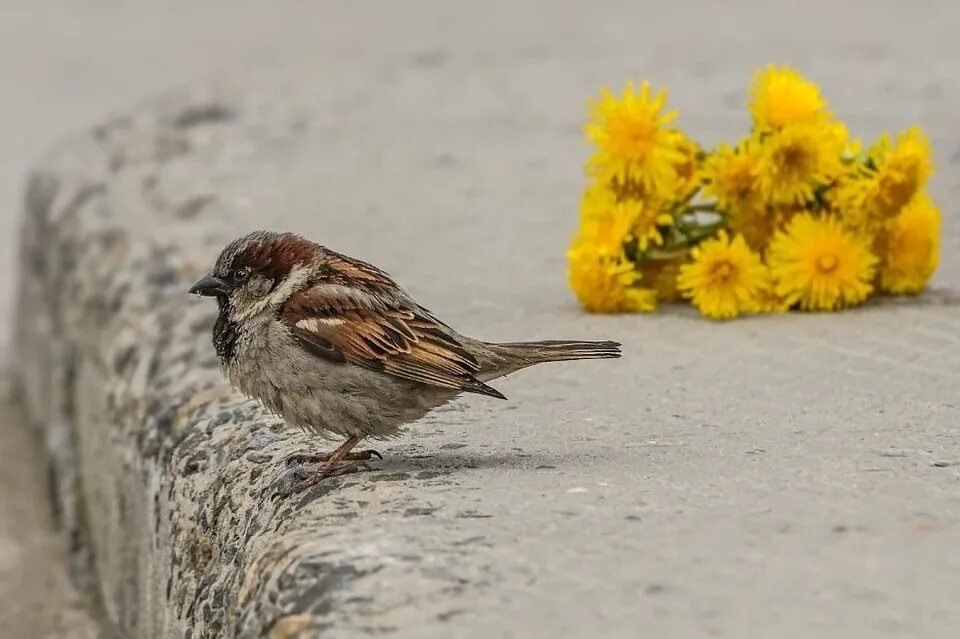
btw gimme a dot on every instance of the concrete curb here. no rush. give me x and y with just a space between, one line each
163 500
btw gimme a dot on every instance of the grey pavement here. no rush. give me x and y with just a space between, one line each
37 598
786 477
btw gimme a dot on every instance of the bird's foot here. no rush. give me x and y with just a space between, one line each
318 458
338 470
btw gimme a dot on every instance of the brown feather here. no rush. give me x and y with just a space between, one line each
367 320
272 257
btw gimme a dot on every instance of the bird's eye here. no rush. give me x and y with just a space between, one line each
241 274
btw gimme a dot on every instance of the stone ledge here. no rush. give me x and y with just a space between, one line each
162 472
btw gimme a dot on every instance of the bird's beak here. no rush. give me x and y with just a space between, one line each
210 286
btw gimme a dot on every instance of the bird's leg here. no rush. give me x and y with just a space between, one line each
333 467
314 458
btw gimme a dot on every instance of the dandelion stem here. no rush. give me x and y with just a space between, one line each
703 207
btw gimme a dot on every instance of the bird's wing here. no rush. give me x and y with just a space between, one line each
355 313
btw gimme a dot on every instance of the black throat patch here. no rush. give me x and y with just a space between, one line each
225 332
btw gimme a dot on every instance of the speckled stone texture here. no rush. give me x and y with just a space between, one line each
783 476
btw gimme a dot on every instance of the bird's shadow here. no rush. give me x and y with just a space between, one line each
451 461
413 464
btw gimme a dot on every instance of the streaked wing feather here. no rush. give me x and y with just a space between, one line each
355 313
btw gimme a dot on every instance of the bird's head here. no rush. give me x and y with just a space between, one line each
258 272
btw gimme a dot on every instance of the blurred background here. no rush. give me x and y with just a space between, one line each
66 65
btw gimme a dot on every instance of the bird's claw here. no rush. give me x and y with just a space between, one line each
325 473
319 458
363 455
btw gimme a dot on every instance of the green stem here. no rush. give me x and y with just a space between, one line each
704 207
693 233
661 254
706 230
684 234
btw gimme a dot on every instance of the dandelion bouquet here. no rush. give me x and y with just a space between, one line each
796 215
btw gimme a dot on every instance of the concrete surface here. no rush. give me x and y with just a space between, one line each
37 598
63 65
774 477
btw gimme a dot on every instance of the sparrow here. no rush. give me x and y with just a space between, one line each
335 347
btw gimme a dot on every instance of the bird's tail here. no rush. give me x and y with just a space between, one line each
558 350
498 360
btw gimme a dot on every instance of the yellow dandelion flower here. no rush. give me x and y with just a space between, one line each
875 190
820 264
688 173
606 284
852 149
848 198
604 222
905 168
783 96
911 248
723 277
649 218
610 221
630 189
633 140
597 200
799 158
754 222
731 175
758 223
767 300
662 276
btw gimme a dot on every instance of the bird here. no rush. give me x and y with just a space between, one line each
334 346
